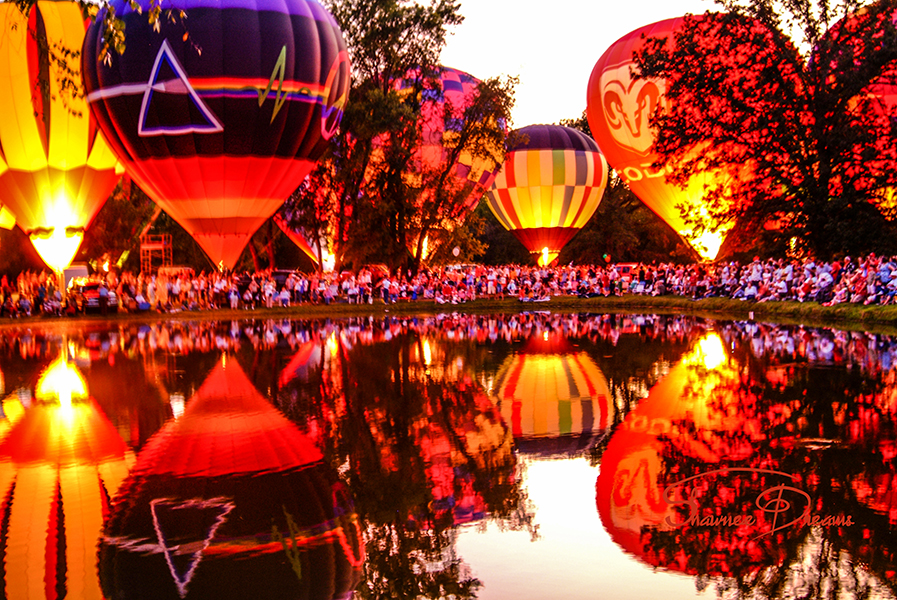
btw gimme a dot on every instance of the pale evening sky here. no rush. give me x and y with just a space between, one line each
550 45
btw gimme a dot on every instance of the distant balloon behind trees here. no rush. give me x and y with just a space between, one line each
619 112
56 170
550 185
442 114
221 115
445 95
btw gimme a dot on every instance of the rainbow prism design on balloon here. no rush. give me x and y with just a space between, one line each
221 124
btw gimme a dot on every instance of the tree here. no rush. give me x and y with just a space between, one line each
817 149
115 232
372 197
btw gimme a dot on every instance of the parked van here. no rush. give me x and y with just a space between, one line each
75 271
628 272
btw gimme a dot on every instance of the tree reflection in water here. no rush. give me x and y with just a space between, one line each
774 417
423 450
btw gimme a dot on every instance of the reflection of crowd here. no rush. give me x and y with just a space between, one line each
870 352
867 280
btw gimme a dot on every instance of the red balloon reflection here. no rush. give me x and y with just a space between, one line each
231 500
685 464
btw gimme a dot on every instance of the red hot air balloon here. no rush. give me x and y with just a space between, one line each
220 122
619 112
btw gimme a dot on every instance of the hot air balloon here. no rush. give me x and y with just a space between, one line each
308 244
221 120
56 170
64 459
554 397
619 112
444 97
548 188
231 500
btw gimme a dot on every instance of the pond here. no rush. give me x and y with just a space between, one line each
536 455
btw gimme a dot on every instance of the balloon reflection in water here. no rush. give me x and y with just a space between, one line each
231 501
439 432
554 397
59 464
694 423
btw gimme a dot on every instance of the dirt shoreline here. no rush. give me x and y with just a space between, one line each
878 319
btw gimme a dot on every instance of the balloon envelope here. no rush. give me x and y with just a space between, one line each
221 123
56 170
305 242
443 102
619 112
548 188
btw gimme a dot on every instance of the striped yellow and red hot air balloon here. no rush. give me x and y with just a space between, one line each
56 170
554 397
549 186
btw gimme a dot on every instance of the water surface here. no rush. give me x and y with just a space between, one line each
508 456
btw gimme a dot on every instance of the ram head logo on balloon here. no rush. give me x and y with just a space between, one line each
628 106
220 124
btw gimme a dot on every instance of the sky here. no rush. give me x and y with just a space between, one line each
550 45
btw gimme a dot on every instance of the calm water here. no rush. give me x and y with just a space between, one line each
530 456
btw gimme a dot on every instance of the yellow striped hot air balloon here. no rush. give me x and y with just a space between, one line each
548 188
56 170
554 398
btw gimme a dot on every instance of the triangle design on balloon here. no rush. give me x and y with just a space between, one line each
168 79
192 523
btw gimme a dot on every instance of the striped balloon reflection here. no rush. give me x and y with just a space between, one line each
553 397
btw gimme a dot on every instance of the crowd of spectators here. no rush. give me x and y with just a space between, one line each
864 280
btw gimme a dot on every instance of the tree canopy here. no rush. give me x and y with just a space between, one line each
800 123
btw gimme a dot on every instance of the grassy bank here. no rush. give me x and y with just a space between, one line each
881 319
